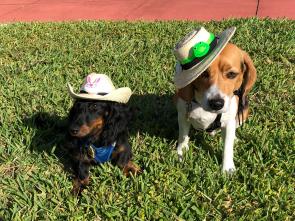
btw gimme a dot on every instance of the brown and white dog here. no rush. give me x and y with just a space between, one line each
217 98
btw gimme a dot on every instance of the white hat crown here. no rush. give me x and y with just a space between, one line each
97 84
99 87
183 48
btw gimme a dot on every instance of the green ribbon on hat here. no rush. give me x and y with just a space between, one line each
199 50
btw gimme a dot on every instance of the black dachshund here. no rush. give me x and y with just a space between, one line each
98 132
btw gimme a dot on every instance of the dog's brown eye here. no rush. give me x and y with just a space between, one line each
231 75
93 107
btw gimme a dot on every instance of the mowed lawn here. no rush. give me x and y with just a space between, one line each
38 59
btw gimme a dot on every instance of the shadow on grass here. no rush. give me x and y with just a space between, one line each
158 117
155 116
49 135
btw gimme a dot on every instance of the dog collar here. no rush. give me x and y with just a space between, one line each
100 154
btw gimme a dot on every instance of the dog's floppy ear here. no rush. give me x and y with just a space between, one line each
117 119
186 93
249 73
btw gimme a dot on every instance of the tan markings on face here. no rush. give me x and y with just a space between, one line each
96 124
94 127
83 131
226 64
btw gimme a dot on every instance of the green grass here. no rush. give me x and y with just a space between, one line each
36 61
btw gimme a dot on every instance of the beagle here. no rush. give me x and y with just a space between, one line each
217 99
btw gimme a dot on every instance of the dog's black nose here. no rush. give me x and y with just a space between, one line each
216 103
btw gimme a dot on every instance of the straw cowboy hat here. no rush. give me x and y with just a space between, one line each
196 51
100 87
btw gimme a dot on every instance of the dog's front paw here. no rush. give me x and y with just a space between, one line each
132 168
77 190
229 168
79 185
180 149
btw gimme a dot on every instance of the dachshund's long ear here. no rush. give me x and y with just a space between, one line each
117 120
249 73
186 93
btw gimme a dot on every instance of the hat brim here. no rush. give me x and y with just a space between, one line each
120 95
184 77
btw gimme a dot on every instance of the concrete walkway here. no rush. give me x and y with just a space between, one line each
64 10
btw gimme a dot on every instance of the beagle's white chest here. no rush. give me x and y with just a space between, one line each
199 118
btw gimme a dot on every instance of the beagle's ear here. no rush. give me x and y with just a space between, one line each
249 73
186 93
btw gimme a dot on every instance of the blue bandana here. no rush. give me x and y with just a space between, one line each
100 154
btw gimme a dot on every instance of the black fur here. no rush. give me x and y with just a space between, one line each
116 118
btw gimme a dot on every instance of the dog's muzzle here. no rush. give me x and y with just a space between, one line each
216 103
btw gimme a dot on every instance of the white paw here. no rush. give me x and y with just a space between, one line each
229 168
180 149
